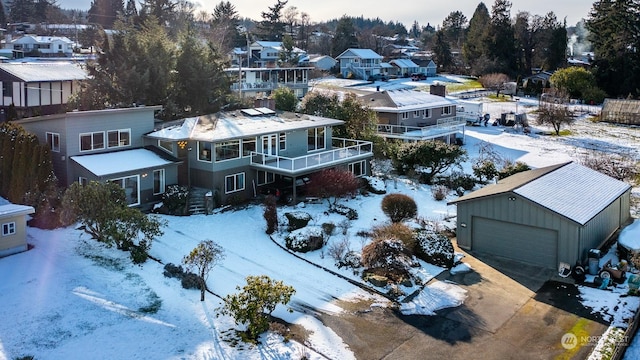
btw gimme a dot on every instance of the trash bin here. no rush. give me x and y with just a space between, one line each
594 266
593 262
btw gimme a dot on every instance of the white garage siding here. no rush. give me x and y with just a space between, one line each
528 244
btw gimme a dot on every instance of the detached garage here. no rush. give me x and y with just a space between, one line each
543 216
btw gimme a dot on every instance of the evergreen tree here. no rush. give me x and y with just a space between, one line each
442 52
162 11
3 15
474 49
21 11
453 28
105 12
224 27
201 87
345 36
131 11
272 27
615 36
500 41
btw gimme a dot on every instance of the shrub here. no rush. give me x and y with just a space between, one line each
399 207
484 170
459 180
297 219
191 281
173 271
175 199
270 214
397 231
338 249
333 183
511 168
351 259
350 213
305 240
389 258
439 192
434 248
328 228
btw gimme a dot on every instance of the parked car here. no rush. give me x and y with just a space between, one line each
418 76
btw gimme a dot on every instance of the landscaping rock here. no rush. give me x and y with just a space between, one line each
306 239
297 219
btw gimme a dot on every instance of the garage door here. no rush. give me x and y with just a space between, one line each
514 241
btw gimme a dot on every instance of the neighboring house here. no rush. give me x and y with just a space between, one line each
360 63
404 67
545 216
412 115
239 154
13 227
540 79
621 111
426 66
267 54
254 82
45 45
323 62
107 145
38 88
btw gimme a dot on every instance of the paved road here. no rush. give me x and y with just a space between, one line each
502 318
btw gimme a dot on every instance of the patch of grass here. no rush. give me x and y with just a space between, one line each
501 98
465 86
565 132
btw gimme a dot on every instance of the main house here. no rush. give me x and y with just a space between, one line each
38 88
412 115
238 154
107 145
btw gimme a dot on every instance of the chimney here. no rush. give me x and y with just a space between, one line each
439 90
266 103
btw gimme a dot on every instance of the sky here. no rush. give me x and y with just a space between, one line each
430 11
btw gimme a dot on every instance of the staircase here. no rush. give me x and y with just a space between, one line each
197 201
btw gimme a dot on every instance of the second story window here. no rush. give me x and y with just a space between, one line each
427 113
204 151
53 140
92 141
315 139
166 145
282 141
447 110
119 138
417 113
248 146
405 115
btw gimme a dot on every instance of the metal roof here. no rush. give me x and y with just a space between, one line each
404 63
361 53
32 72
116 162
238 124
569 189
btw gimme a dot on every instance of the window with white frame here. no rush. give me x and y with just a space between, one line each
316 138
427 113
417 113
8 228
131 187
166 145
92 141
233 183
248 146
53 139
447 110
83 181
265 177
158 182
117 138
204 151
227 150
405 115
358 168
282 139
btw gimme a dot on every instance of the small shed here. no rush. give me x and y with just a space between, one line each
543 216
13 227
621 111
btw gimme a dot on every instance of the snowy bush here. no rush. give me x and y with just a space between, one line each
439 192
350 213
328 228
434 248
351 259
397 231
338 249
297 219
375 185
188 280
388 258
306 239
175 199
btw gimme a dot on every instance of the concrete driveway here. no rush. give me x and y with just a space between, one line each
503 317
